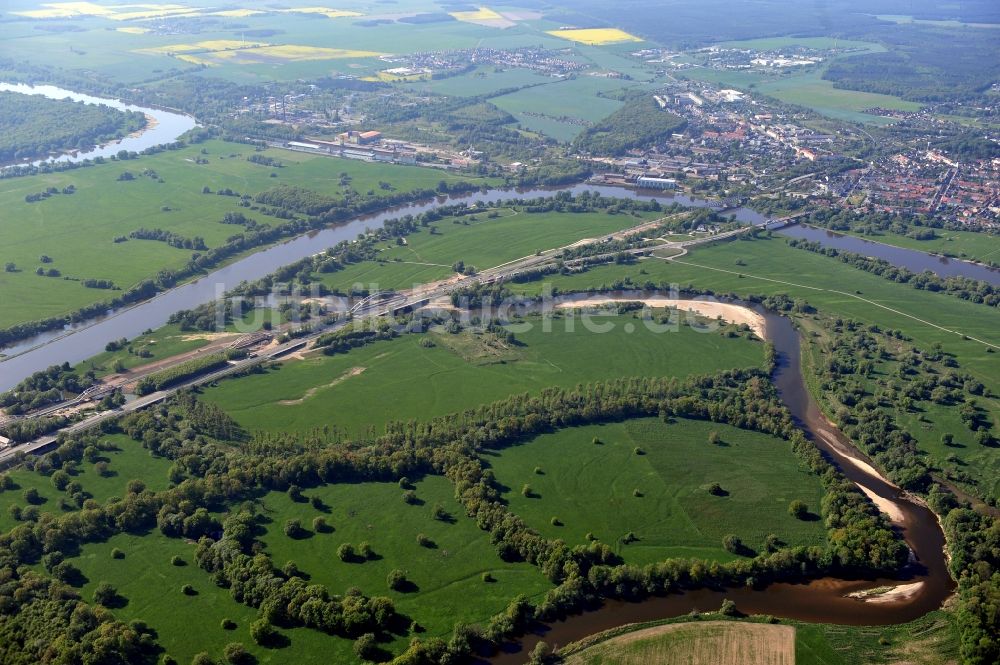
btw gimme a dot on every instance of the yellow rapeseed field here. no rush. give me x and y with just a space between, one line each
238 13
482 14
133 30
194 59
66 10
295 53
209 46
595 36
325 11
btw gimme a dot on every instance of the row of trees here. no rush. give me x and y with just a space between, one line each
968 289
210 477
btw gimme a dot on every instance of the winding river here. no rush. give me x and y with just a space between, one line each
826 600
80 341
910 259
162 126
822 600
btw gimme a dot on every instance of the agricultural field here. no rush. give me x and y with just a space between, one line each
811 91
126 43
482 81
569 106
354 391
651 480
930 640
595 36
695 643
78 231
818 94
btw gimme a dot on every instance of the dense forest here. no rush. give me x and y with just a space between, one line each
34 126
923 64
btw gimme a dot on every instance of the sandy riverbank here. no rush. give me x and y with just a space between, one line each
726 311
889 594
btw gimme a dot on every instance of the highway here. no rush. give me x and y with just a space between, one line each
374 306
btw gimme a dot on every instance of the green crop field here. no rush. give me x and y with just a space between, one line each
77 231
446 575
932 638
812 91
483 81
125 460
351 391
575 98
482 242
589 488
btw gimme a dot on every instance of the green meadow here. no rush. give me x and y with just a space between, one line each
77 231
477 240
403 379
770 267
149 590
125 460
445 574
650 479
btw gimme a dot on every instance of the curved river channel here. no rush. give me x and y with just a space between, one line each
162 126
80 341
822 600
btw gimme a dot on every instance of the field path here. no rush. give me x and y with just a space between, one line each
842 293
697 643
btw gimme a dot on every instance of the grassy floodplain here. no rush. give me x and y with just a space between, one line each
445 575
125 460
402 379
149 590
590 488
77 231
479 241
770 267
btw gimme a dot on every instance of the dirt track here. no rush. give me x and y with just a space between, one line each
699 643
